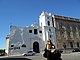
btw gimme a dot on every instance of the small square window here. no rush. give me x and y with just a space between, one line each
12 45
49 29
30 31
35 31
40 31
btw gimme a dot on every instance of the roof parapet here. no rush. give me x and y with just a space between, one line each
66 18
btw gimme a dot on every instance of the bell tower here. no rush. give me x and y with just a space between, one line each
45 19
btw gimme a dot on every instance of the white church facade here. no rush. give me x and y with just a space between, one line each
34 37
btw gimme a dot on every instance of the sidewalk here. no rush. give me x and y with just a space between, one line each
9 56
3 56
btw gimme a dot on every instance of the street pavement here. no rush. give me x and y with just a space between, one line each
69 56
14 59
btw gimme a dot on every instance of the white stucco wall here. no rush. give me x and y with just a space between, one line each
21 35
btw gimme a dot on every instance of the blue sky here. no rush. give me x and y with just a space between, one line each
26 12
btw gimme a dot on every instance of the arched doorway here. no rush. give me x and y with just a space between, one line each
36 47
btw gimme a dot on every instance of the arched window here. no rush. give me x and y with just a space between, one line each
64 45
71 44
48 23
50 36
